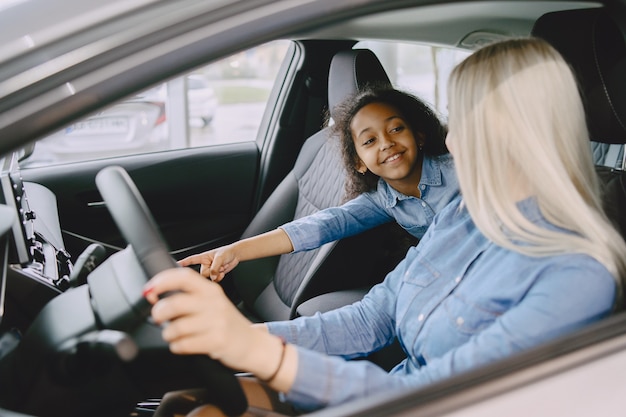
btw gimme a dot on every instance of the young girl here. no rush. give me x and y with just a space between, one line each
393 147
525 257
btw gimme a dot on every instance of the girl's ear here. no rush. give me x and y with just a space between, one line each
360 167
420 138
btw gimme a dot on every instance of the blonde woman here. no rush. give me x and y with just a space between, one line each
525 256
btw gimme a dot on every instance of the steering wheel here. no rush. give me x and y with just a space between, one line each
130 213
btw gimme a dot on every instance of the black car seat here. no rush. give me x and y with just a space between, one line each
271 288
594 46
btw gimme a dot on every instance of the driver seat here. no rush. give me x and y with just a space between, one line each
594 46
270 289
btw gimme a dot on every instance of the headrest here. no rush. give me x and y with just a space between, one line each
350 71
595 48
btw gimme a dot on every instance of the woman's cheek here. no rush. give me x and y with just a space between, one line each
450 144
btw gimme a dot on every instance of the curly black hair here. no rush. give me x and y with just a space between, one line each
418 115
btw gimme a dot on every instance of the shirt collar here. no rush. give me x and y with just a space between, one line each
431 171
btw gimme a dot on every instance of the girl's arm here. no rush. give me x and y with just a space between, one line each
216 263
306 233
358 215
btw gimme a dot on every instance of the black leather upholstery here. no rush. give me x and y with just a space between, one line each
271 288
594 46
350 71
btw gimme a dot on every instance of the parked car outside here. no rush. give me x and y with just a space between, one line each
136 124
139 124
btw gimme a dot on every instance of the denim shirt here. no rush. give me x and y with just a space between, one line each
438 185
455 302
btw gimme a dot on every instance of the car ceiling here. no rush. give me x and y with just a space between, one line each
448 24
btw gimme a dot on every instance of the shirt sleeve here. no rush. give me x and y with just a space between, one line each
362 213
563 300
351 331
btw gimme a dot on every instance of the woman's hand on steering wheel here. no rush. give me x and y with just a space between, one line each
198 318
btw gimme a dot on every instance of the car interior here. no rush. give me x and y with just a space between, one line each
316 182
319 280
73 323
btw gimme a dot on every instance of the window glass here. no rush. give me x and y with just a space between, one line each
608 155
220 103
419 69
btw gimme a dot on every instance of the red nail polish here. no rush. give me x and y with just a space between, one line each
147 291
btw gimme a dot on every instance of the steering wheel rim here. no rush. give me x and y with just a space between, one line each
137 226
134 220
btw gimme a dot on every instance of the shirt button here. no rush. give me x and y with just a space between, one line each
422 187
420 317
423 204
460 321
457 279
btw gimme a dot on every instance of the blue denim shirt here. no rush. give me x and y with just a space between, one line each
455 302
438 186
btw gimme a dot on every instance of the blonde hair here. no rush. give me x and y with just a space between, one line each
517 118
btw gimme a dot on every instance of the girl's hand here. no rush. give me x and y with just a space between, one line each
198 318
214 264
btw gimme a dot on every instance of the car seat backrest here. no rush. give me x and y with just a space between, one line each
594 46
268 287
320 185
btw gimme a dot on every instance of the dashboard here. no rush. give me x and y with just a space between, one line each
61 339
14 196
35 265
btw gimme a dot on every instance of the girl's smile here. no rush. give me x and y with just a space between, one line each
392 158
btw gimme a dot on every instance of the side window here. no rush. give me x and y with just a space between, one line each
220 103
418 69
608 155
